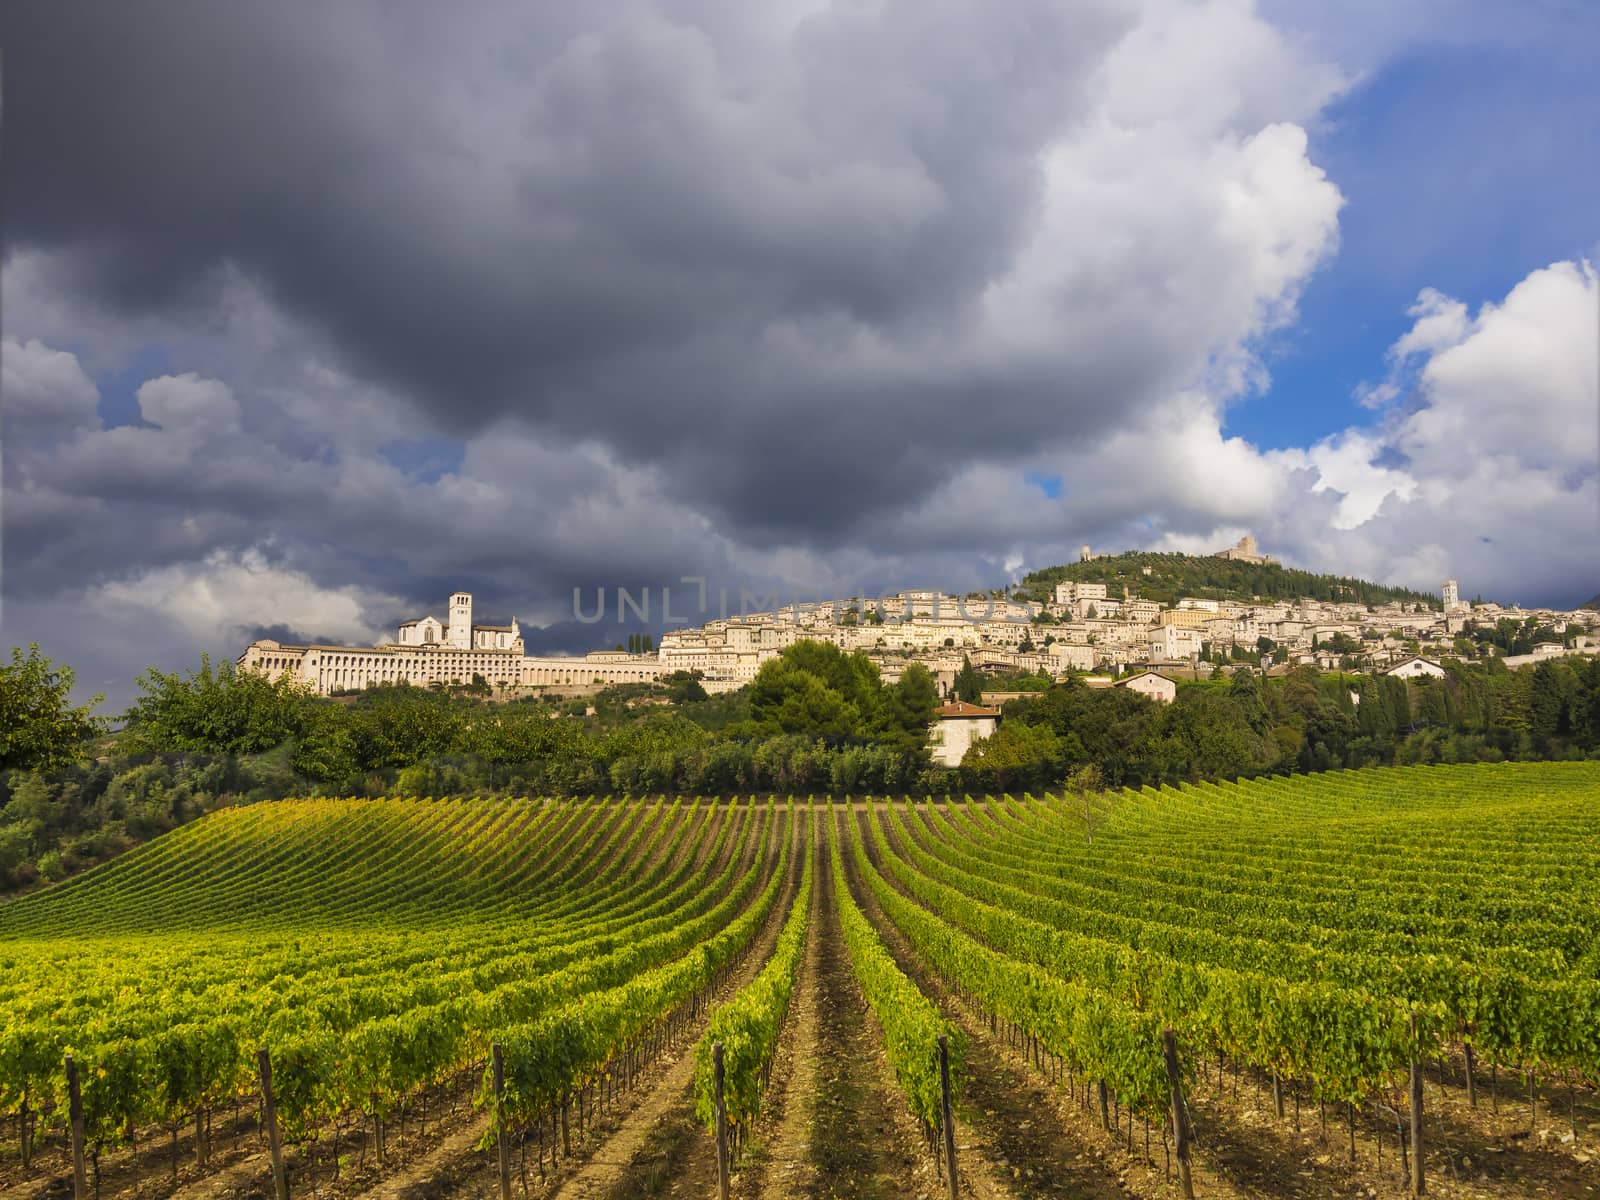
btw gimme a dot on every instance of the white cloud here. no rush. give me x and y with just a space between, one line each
1518 381
1344 464
188 404
220 599
1441 323
1491 469
44 390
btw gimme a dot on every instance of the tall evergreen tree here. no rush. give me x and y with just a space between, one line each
968 683
1547 704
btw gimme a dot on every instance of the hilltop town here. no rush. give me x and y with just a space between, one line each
1079 624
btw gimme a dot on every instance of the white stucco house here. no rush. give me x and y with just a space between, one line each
1148 683
1411 668
956 726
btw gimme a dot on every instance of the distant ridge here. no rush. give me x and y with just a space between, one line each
1173 576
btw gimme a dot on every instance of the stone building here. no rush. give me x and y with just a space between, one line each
426 651
1245 550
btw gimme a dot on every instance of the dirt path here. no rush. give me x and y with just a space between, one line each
649 1144
146 1172
860 1143
445 1167
1469 1152
656 1145
778 1155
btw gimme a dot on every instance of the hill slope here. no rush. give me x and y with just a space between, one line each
350 864
1171 576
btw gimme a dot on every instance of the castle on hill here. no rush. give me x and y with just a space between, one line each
1245 550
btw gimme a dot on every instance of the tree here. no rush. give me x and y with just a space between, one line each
1547 704
814 688
968 683
1015 755
685 687
1086 782
1245 692
909 711
226 711
39 728
1586 705
809 706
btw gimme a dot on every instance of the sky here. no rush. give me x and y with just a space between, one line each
313 314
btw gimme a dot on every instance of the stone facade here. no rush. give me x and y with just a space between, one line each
427 651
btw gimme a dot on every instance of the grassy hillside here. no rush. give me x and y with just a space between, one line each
1172 576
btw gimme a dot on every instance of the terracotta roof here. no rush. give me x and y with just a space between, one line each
960 708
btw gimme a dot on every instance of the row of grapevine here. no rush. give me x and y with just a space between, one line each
912 1025
1512 1004
748 1025
1343 1040
562 1052
1096 1035
173 1031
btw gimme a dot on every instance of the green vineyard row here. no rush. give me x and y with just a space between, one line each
1329 929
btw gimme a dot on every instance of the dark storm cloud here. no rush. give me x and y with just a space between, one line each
338 308
502 211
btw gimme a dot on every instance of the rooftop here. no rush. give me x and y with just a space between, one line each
960 708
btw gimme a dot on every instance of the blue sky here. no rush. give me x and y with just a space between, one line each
1464 164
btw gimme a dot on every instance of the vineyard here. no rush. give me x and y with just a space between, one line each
1349 983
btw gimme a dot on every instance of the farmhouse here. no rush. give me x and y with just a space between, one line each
1414 666
956 726
1148 683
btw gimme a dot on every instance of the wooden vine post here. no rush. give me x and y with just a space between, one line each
947 1114
1180 1112
501 1144
1418 1183
269 1111
80 1187
722 1121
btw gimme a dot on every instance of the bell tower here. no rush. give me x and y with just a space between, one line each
460 631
